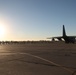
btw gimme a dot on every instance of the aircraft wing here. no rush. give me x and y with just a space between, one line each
59 38
72 36
55 37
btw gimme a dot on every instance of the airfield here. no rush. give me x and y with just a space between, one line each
40 58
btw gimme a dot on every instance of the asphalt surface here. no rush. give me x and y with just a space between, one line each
38 59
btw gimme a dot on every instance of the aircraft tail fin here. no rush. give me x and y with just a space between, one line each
64 33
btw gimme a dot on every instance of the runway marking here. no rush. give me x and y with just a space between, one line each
51 62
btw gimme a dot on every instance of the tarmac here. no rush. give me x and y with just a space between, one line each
56 58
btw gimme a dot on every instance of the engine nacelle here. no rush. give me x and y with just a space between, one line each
53 39
59 39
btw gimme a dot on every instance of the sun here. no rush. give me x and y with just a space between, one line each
2 31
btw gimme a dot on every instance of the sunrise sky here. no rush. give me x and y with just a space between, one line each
36 19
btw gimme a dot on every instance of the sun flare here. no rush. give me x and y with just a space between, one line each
2 31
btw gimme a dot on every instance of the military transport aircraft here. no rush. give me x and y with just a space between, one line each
67 39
